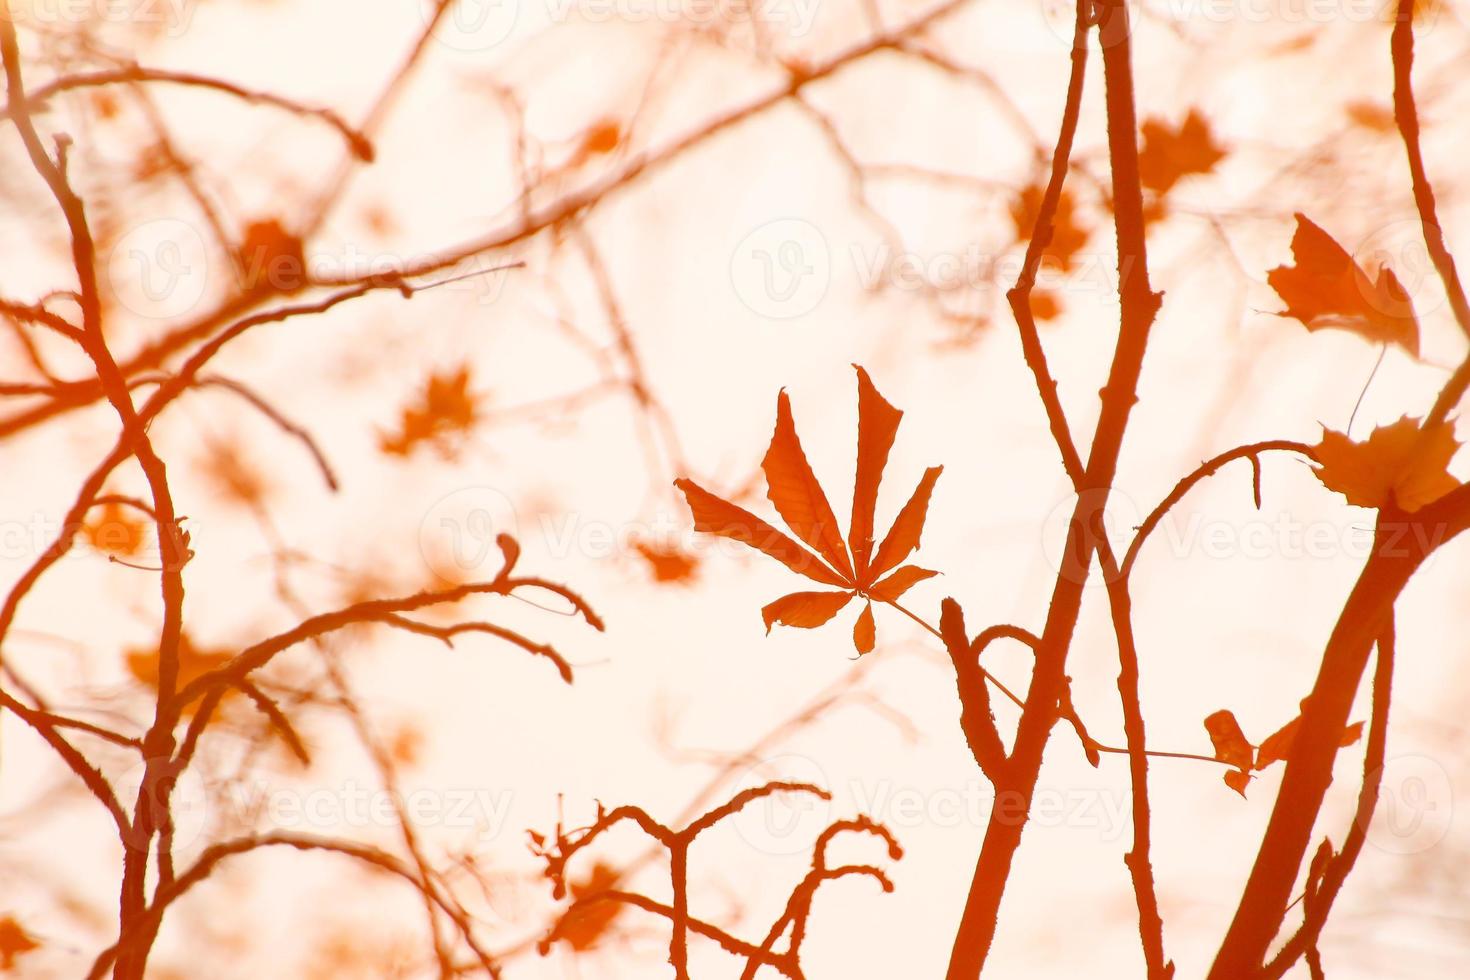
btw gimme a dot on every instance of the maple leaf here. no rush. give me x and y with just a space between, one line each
112 530
1170 154
1327 289
1067 236
1401 464
853 566
194 662
14 942
446 409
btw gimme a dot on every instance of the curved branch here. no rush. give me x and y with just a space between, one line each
362 148
1207 469
202 868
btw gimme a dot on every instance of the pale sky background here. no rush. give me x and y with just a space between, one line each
1232 605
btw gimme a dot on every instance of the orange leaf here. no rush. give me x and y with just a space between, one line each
194 662
1278 746
587 925
807 610
114 530
895 585
877 426
14 942
446 409
1231 747
864 632
1238 779
903 537
1067 236
715 516
1170 154
1327 289
668 563
1399 463
793 488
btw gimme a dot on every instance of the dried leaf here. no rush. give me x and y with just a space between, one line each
864 632
907 528
668 563
114 530
1231 747
793 488
1399 463
194 662
895 585
713 515
589 924
1238 780
1278 745
1067 236
14 942
807 610
1371 116
1170 154
877 426
446 410
271 257
1327 289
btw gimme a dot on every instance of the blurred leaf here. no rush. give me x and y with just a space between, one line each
15 942
445 411
1170 154
114 530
